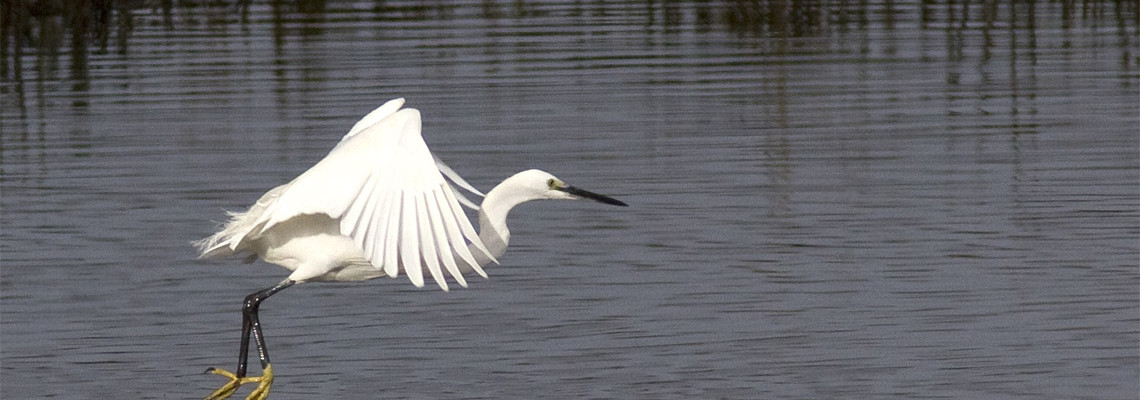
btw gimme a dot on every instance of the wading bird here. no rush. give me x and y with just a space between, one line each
377 205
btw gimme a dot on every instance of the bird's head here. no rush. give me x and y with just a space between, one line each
520 188
542 185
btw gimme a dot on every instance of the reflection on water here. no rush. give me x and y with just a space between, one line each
48 29
53 44
828 199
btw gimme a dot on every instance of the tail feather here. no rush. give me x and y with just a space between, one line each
229 240
226 241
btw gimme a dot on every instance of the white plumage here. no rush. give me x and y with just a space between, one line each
376 204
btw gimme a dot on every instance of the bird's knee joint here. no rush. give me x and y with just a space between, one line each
251 303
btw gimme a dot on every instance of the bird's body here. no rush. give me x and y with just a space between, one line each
377 205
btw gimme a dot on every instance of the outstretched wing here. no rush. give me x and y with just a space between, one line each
390 108
384 186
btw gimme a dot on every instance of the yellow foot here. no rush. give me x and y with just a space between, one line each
227 390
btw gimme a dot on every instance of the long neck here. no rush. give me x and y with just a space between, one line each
494 235
493 212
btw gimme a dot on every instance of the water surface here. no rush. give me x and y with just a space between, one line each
883 200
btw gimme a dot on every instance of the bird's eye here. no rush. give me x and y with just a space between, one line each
550 183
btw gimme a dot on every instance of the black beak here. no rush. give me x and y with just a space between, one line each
585 194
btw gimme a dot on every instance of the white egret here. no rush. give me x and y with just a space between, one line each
376 205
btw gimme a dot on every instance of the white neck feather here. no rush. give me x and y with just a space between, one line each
493 212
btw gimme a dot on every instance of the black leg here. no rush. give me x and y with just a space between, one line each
250 323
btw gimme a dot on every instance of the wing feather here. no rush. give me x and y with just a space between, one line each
427 242
354 213
469 233
377 115
361 233
409 241
458 180
368 234
454 233
390 196
441 239
391 238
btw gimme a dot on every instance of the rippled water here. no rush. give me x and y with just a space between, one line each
884 200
